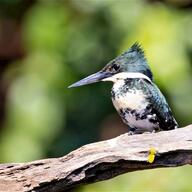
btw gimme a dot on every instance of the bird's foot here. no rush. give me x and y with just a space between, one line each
131 133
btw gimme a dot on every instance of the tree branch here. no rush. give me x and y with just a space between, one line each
99 161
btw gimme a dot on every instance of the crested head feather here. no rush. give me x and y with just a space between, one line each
136 51
132 60
136 47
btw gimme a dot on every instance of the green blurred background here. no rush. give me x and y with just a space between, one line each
46 45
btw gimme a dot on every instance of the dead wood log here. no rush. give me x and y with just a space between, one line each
99 161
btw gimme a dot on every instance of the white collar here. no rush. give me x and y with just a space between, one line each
127 75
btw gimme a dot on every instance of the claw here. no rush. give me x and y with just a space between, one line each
131 133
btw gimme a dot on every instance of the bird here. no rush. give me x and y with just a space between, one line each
137 99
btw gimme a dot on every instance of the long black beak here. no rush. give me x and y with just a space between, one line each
96 77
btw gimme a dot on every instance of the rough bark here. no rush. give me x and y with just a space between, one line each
99 161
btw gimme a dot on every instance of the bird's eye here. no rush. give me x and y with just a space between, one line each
116 67
112 67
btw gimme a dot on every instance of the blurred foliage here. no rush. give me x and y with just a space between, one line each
64 41
147 180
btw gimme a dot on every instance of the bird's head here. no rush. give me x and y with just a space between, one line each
133 60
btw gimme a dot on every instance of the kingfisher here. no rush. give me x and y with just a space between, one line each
136 97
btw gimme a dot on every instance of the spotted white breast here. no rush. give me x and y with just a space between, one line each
133 100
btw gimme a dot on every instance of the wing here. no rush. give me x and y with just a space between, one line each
159 106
